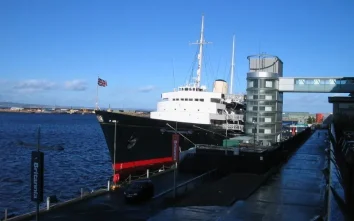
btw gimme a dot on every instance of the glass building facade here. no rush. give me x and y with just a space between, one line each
264 101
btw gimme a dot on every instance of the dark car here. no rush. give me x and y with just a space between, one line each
139 190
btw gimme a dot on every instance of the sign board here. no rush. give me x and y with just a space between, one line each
37 165
175 147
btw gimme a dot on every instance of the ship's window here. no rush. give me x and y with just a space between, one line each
215 100
175 108
173 99
198 109
190 99
202 100
182 99
196 99
193 89
177 99
184 109
186 99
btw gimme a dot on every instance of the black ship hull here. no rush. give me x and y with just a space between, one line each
142 142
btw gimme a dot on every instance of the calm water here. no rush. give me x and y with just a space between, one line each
84 162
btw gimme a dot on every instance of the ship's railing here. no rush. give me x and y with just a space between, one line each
235 97
189 184
233 127
149 173
235 117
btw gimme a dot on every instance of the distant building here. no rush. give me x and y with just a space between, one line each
16 108
297 116
342 105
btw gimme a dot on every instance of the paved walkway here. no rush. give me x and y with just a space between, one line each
296 193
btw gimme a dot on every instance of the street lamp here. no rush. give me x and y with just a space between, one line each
254 133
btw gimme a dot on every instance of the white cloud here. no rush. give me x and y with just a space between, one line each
34 85
147 89
76 85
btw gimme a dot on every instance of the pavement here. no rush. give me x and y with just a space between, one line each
112 206
296 192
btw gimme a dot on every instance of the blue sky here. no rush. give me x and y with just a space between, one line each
53 51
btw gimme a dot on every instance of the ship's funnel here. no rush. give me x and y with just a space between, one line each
220 86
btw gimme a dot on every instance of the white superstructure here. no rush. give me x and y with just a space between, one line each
194 104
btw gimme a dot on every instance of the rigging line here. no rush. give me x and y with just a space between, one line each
205 64
209 131
192 65
173 74
217 70
209 67
180 134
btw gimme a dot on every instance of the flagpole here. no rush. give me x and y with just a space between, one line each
97 94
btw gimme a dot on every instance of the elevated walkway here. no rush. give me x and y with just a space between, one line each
317 84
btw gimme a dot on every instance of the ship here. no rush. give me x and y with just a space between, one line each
138 141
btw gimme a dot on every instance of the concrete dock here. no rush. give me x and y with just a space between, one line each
296 192
111 205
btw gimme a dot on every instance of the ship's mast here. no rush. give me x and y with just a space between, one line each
232 65
201 42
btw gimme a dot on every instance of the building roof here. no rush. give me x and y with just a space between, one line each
341 99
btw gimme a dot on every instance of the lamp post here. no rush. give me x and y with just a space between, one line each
254 134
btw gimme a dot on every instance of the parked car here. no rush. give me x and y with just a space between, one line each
139 190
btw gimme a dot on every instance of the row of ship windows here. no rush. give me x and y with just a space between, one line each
188 99
189 89
213 100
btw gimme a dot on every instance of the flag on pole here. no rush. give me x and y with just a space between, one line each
102 82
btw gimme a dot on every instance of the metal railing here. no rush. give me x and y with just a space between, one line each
148 174
233 126
48 205
185 186
235 117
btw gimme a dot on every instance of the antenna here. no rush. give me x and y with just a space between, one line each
201 42
232 65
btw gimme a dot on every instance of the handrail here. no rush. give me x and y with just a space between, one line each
184 183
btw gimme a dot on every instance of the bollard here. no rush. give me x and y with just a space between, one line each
109 185
48 202
5 215
147 173
82 192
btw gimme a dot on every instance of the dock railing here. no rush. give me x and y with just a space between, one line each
84 195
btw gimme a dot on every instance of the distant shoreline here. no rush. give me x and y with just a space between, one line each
43 112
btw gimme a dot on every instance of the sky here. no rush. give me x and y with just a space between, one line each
52 52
